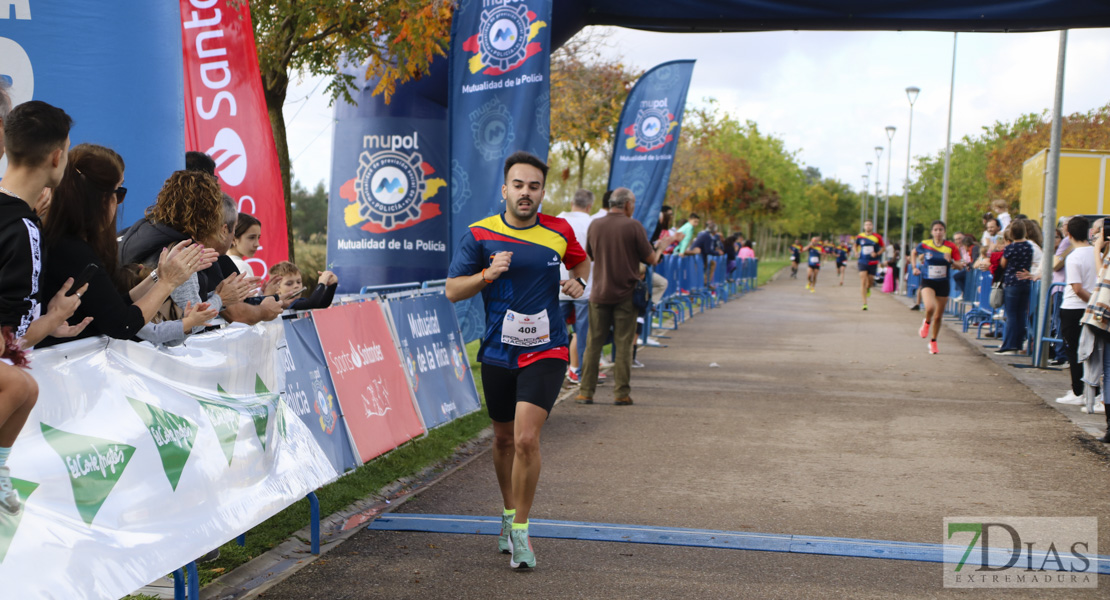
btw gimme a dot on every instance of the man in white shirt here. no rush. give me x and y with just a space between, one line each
579 219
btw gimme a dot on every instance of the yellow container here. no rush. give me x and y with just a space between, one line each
1084 185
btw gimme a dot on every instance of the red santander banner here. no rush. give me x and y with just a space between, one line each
369 380
226 117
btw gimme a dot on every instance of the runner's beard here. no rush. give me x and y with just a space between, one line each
525 213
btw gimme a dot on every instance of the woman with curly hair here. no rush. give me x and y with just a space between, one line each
81 231
192 206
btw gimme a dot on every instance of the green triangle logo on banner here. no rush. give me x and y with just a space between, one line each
225 420
283 419
8 523
260 413
94 466
174 436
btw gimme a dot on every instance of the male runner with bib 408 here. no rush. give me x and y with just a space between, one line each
513 259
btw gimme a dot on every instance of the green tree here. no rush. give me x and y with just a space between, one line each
310 211
587 94
397 39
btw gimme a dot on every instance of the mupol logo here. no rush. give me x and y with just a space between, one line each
390 187
492 126
652 129
230 156
504 38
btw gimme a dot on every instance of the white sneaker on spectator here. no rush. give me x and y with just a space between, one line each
605 363
1071 398
637 364
653 342
9 497
1100 408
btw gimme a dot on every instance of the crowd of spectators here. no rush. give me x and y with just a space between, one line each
68 273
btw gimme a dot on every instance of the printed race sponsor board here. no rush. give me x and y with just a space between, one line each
434 357
369 381
310 393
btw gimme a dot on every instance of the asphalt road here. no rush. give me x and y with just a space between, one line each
821 420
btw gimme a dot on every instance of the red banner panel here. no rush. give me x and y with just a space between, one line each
369 379
226 117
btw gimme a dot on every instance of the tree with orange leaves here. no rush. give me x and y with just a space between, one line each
396 39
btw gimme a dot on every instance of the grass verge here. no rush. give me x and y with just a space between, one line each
768 268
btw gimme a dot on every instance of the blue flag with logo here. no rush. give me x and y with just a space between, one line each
500 102
387 208
116 68
310 394
647 137
434 355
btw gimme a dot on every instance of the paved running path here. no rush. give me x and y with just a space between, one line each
821 420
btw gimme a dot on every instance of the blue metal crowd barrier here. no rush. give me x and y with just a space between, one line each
1055 299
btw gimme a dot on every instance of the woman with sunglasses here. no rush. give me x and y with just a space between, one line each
80 230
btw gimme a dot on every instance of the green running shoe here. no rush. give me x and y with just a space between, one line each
521 546
503 543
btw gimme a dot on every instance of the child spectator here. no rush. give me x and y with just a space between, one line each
285 282
248 233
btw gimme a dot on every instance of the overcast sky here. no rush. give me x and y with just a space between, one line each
829 95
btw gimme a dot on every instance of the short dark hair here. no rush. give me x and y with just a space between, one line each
666 208
1079 228
527 158
693 216
995 221
938 222
33 130
199 161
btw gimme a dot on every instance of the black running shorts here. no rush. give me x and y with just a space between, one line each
538 383
869 269
940 286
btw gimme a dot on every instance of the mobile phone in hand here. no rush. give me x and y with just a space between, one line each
83 278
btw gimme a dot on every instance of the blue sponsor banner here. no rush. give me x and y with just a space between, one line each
116 68
387 210
500 102
310 393
499 90
647 137
434 354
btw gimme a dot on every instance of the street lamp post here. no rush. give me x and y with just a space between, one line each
948 142
889 159
863 200
911 93
878 163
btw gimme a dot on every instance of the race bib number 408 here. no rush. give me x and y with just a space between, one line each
526 331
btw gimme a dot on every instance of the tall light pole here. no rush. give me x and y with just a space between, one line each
948 142
863 201
878 163
889 159
911 93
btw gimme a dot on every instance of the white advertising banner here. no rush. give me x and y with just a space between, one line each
138 460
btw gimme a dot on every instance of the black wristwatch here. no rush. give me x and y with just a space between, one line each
580 282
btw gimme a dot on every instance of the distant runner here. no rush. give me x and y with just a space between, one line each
869 247
513 259
813 263
795 258
936 256
841 252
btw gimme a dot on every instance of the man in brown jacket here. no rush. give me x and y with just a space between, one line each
616 244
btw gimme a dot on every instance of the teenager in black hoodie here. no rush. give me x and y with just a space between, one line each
36 141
